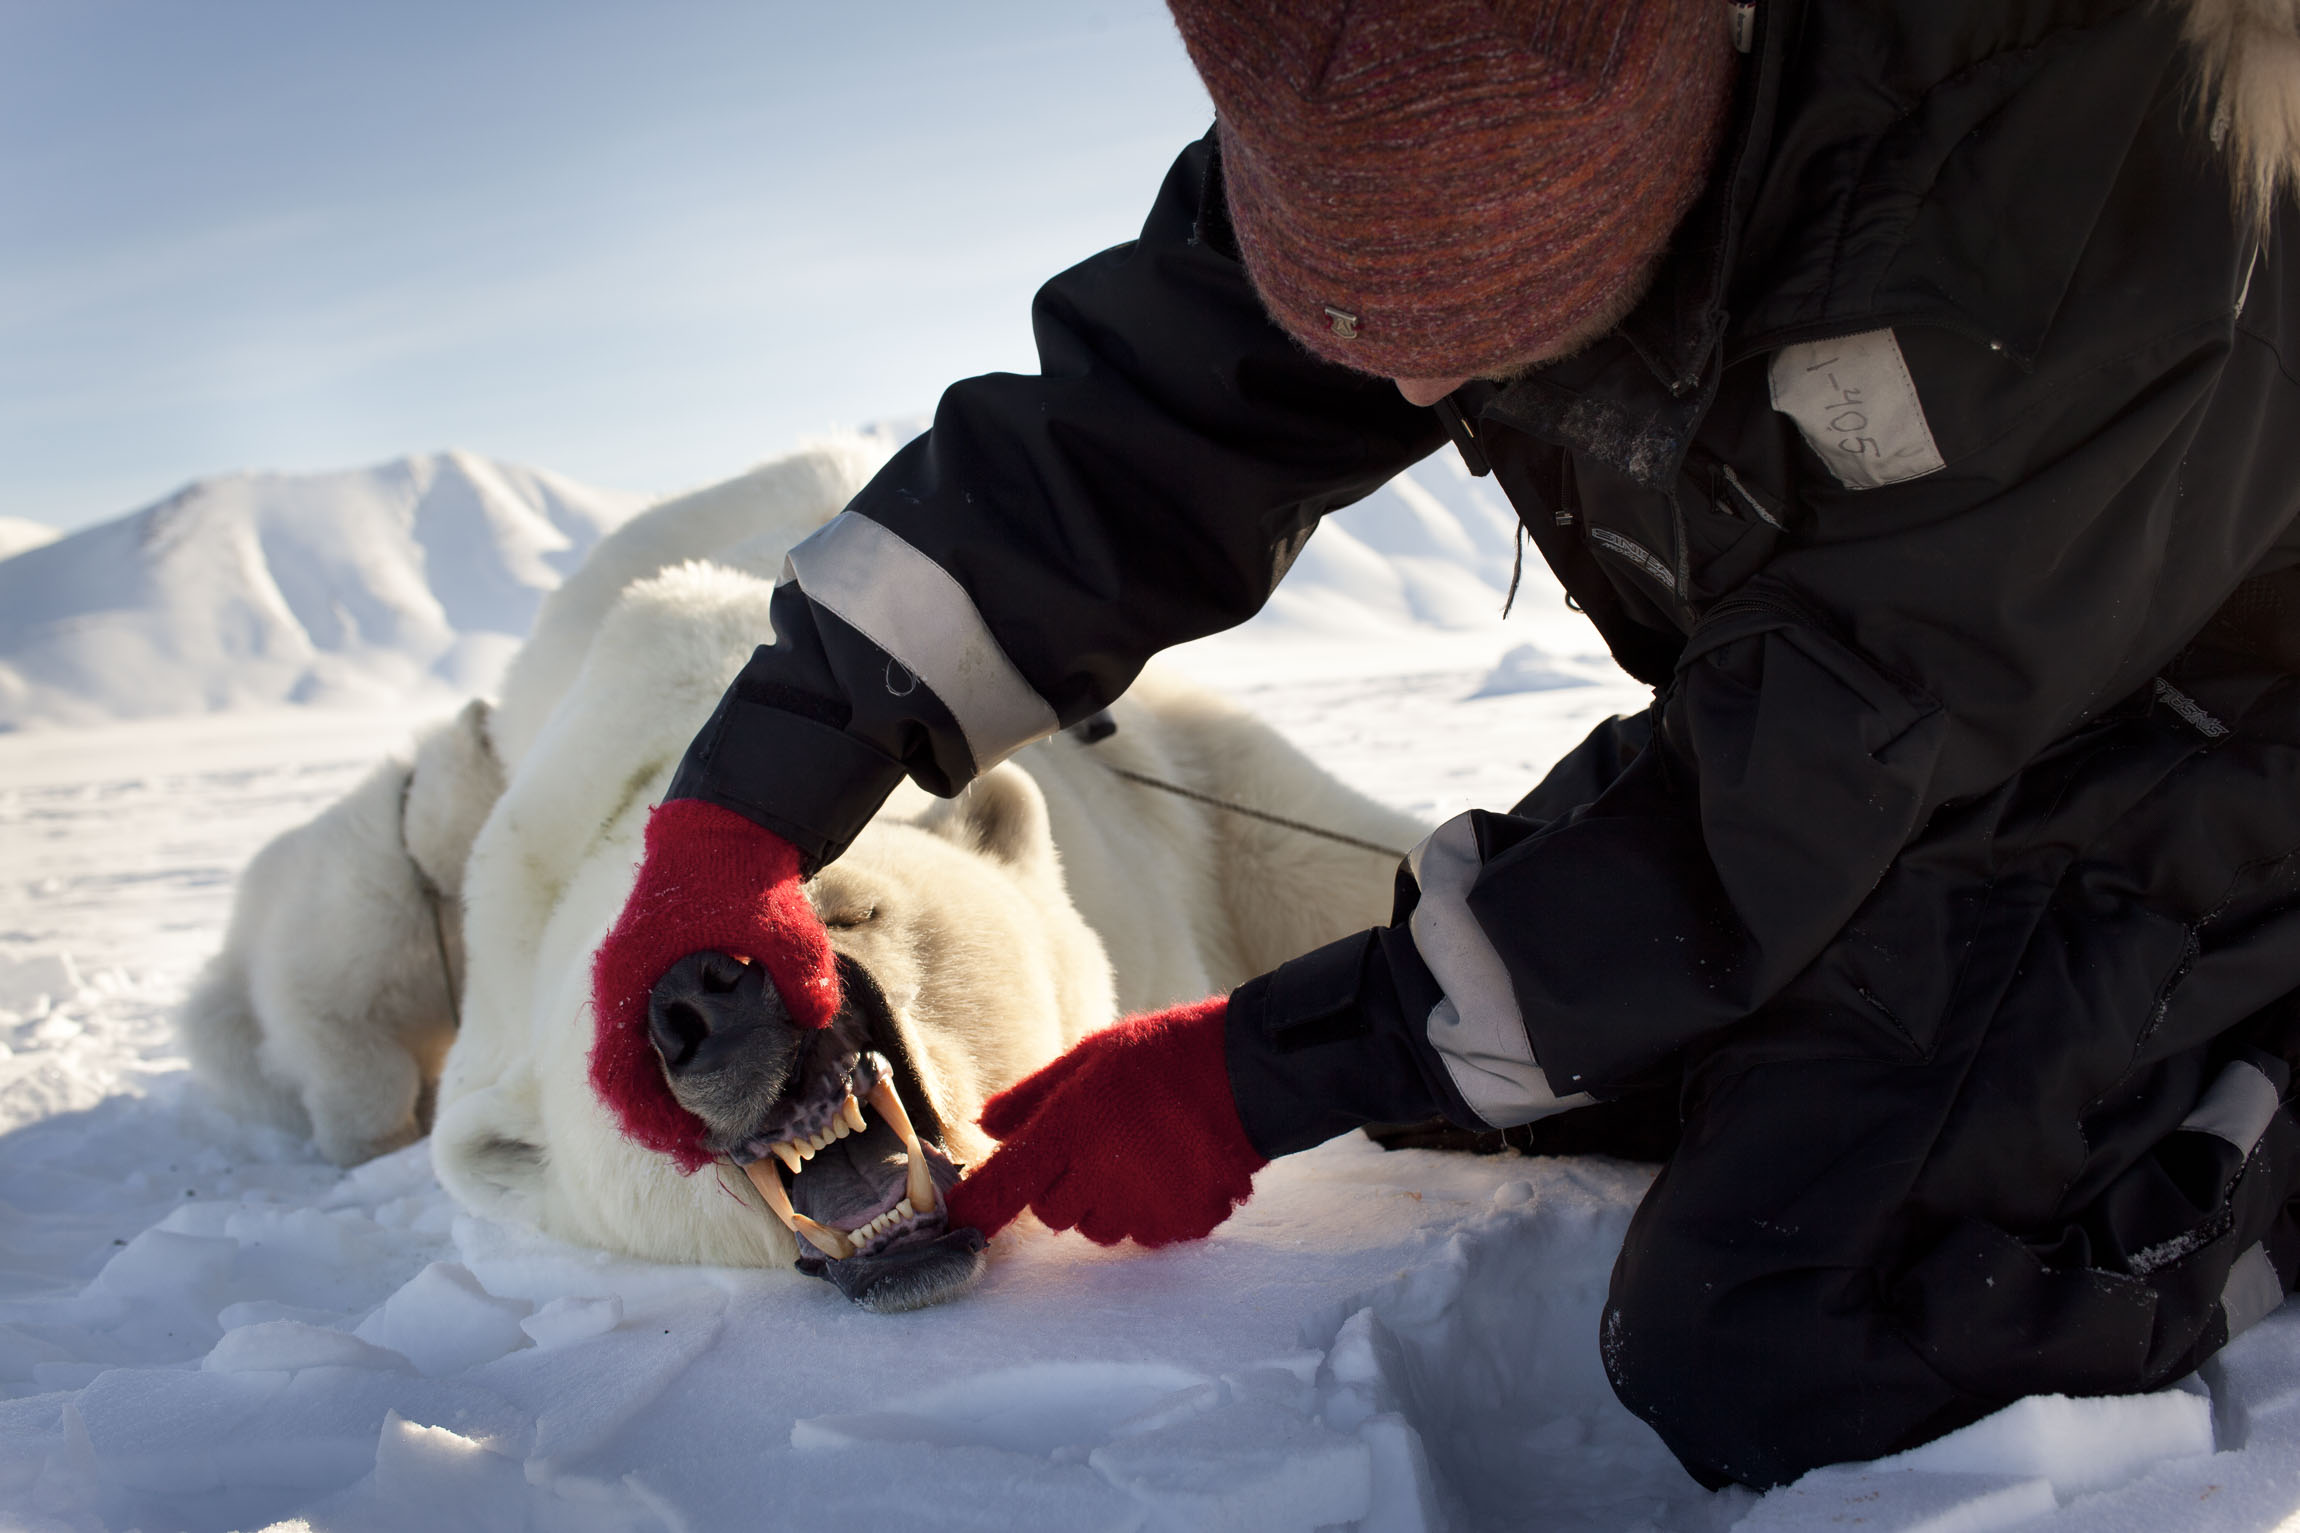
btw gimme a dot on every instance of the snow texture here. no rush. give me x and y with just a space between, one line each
204 1327
17 534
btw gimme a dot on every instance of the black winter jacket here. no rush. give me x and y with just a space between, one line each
1964 401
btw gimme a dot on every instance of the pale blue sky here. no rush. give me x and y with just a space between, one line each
642 244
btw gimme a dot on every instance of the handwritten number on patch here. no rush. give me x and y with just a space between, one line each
1857 407
1848 415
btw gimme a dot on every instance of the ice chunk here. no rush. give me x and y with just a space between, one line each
179 1434
286 1345
162 1264
1039 1408
25 980
257 1311
582 1396
1878 1500
567 1320
2078 1445
444 1322
2257 1376
948 1490
1402 1498
437 1479
1248 1466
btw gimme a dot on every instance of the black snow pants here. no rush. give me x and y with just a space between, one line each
2025 1128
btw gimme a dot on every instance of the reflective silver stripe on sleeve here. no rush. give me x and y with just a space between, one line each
2236 1107
909 606
1477 1029
2254 1291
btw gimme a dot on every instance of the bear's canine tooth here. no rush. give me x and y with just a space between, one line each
919 1182
788 1154
852 1111
832 1243
822 1237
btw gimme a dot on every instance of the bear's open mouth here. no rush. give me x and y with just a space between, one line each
833 1127
862 1181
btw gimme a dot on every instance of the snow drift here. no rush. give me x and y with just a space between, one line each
365 586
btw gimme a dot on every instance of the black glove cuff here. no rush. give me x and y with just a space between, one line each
1333 1040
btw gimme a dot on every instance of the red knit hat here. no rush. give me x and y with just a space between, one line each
1431 188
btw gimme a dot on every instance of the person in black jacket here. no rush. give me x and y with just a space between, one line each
1907 392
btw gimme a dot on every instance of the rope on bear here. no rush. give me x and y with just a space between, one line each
1263 815
1096 728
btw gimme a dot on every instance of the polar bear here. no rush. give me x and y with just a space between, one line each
977 937
331 1006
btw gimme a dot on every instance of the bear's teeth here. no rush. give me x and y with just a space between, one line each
832 1243
852 1111
788 1154
918 1181
823 1238
886 1221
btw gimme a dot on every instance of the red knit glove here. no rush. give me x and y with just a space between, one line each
1133 1133
711 879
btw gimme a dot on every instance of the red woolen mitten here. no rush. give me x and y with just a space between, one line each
1133 1133
711 879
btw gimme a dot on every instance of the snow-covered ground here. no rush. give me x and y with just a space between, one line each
204 1327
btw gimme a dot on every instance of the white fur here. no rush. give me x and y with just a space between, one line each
744 524
1001 925
329 1009
2247 55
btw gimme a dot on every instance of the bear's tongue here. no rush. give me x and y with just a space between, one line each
856 1178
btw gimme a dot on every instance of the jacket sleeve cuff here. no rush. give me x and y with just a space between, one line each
813 785
1329 1041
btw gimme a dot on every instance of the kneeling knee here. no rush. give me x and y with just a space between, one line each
1756 1377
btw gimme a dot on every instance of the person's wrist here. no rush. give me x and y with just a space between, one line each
1323 1044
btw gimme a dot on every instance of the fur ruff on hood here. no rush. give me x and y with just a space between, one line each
2248 58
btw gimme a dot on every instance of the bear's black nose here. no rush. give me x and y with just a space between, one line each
711 1012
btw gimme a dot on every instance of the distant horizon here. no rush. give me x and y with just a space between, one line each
644 251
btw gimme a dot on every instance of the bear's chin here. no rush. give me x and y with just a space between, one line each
908 1273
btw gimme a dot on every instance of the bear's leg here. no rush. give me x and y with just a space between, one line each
223 1041
369 1108
363 1078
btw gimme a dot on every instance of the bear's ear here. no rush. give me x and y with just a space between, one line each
1001 815
488 1150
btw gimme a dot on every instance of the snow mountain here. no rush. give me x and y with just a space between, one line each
367 586
17 534
384 586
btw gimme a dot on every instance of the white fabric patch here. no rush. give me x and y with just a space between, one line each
1477 1029
2254 1291
2236 1107
912 608
1857 407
